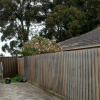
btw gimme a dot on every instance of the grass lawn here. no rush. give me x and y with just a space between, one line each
14 80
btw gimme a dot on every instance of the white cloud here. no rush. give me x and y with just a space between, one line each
35 29
1 44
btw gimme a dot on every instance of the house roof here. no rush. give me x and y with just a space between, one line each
87 39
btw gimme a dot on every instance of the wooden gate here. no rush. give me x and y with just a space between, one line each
10 66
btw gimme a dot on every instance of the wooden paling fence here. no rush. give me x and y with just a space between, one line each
72 74
10 66
1 72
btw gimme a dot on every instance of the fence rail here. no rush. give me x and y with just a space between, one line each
10 66
72 74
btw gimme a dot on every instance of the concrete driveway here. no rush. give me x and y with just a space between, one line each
23 91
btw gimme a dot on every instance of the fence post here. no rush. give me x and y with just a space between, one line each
1 70
97 73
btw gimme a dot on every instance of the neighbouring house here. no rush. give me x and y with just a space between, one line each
87 40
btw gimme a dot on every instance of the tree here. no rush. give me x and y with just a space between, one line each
1 55
17 18
63 19
90 8
40 45
65 22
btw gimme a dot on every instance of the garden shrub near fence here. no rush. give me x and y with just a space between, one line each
40 45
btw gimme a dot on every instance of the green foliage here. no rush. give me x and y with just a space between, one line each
63 19
15 79
40 45
71 18
1 55
17 18
65 22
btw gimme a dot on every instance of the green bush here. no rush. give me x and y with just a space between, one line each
40 45
15 79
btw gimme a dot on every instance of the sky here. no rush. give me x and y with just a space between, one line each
1 44
36 28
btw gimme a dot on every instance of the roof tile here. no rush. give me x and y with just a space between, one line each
87 39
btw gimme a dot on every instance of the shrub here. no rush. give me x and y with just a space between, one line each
40 45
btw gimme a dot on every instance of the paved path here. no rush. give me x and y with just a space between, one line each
23 91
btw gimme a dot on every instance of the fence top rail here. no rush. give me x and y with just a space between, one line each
82 47
8 57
